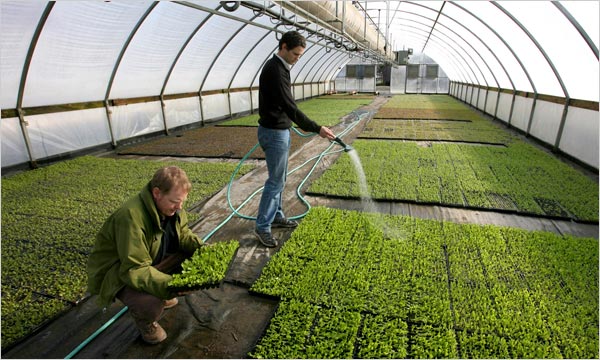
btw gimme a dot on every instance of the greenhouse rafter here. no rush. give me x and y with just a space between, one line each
372 179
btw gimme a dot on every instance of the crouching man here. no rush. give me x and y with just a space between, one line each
135 249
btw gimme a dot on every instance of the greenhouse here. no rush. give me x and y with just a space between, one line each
441 187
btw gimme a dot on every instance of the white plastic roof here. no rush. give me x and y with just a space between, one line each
93 50
86 52
548 47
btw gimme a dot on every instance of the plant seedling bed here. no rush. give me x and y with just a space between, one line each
435 102
439 289
208 142
326 112
346 96
427 114
461 175
478 131
50 217
222 322
432 107
234 138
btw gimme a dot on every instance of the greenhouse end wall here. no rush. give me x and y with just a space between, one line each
541 117
422 83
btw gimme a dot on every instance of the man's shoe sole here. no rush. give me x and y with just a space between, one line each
281 226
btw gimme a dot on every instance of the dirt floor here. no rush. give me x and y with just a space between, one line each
227 321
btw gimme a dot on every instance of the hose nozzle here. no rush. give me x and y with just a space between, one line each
342 144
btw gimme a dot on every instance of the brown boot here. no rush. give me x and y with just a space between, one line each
151 332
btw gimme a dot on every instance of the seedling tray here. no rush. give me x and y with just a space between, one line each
195 287
212 258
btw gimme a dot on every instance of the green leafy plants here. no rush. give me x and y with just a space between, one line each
50 218
288 332
517 178
206 268
357 285
333 335
477 130
425 102
383 338
326 112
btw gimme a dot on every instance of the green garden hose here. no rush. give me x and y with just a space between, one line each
96 333
318 157
235 212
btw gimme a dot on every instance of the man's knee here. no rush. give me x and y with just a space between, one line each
142 305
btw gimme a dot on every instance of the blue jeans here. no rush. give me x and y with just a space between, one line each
276 145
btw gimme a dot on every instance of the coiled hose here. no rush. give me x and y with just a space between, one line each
235 211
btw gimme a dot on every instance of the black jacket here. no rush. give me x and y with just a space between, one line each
276 105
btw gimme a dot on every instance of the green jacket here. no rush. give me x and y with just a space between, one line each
126 246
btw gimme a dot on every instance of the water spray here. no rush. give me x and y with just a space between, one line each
347 148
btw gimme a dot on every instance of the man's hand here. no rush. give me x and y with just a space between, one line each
325 132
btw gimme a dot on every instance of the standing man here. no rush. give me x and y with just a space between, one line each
136 246
277 110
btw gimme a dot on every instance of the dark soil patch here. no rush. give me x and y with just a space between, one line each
209 142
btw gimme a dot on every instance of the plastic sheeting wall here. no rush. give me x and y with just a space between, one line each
181 112
547 50
14 150
354 84
359 75
140 67
420 79
397 80
532 46
136 119
578 139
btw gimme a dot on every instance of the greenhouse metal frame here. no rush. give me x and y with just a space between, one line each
83 75
464 191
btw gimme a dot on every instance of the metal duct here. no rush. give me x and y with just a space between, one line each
345 18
